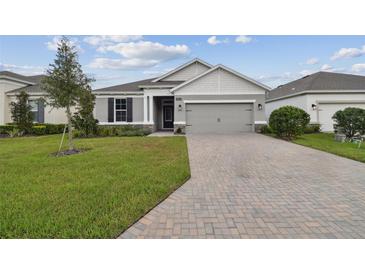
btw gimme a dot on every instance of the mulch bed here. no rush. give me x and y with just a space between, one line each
68 152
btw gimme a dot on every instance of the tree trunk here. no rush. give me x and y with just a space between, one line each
69 127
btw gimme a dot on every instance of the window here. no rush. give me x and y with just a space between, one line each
120 110
34 109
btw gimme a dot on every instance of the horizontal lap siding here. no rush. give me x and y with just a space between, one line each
187 73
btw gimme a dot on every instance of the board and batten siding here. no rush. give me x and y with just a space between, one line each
187 73
101 109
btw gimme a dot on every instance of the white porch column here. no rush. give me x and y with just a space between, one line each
151 110
145 109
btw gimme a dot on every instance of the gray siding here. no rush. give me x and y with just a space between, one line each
137 109
259 115
101 109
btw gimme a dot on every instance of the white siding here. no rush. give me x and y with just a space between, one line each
297 101
5 86
187 73
220 81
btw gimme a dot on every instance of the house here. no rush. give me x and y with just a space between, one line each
320 94
196 97
12 83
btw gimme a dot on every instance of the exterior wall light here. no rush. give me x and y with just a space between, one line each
180 107
314 106
259 106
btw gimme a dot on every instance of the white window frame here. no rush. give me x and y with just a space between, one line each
34 110
120 110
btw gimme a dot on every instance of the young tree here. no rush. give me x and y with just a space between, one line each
83 119
65 82
21 112
350 121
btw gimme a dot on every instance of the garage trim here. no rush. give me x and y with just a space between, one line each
218 101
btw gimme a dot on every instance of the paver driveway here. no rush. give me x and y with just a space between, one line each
253 186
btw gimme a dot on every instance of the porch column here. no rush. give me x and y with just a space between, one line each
145 109
151 110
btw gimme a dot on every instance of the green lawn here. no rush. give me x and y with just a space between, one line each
96 194
326 142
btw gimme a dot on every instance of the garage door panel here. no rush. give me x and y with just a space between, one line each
326 111
218 118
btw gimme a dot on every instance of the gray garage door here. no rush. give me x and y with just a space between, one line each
218 118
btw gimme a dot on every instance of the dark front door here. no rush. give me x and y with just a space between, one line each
168 116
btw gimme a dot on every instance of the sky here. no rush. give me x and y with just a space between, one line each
117 59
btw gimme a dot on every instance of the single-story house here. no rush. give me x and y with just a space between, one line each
12 83
196 97
320 94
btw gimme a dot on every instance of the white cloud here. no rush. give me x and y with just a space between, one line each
142 54
348 53
214 41
358 67
327 67
312 61
305 72
23 69
149 50
243 39
53 44
123 64
104 40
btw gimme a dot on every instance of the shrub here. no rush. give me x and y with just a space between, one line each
5 129
38 130
21 112
350 121
266 129
312 128
288 122
126 130
15 132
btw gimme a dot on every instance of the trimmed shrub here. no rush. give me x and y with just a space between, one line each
39 130
350 121
5 129
266 129
126 130
288 122
312 128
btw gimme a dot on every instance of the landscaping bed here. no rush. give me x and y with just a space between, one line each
94 194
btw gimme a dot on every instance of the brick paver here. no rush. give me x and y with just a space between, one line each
253 186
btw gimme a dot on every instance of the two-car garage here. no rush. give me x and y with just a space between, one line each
219 117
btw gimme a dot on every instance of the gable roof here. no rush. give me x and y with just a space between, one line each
5 74
318 81
182 67
226 69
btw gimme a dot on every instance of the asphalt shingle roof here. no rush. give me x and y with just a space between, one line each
319 81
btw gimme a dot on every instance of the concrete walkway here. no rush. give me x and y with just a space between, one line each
253 186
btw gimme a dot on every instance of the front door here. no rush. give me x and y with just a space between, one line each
168 116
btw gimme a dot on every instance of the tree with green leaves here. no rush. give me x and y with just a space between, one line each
350 121
83 119
65 82
21 113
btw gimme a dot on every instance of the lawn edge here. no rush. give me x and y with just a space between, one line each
159 202
163 199
314 148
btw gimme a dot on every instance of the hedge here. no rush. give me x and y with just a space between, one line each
37 129
107 131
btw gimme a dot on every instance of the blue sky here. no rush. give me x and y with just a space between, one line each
113 60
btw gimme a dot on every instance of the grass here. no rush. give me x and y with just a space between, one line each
95 194
326 142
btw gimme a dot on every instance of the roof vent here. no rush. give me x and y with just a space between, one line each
292 88
280 86
305 76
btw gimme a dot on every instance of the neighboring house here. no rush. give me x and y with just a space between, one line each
320 94
12 83
193 98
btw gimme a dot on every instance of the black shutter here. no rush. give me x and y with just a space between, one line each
129 109
40 114
110 110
